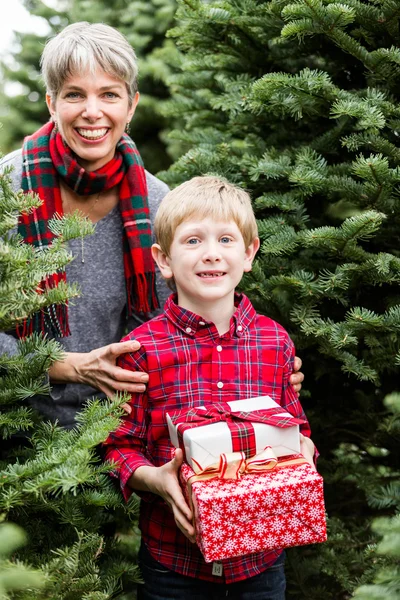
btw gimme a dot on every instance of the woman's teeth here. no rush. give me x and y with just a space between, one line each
92 134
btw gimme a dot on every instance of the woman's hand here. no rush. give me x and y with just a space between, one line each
99 369
163 481
296 377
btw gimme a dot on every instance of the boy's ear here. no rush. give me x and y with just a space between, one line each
162 261
250 254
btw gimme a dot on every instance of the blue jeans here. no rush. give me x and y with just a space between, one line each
161 583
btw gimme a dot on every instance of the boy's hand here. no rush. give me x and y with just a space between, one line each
296 377
307 449
164 482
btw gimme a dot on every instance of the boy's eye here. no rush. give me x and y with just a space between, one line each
192 241
225 239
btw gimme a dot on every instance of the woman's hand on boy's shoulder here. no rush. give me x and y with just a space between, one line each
297 377
99 368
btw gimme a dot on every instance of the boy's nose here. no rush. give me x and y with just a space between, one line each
212 253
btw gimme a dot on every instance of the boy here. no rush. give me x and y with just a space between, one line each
208 346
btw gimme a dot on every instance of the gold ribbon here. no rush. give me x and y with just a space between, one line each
234 465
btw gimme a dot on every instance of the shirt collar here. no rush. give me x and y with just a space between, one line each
190 323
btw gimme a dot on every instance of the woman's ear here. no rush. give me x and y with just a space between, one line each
162 261
250 253
51 106
132 108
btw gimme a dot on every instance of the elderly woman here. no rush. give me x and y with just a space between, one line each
82 160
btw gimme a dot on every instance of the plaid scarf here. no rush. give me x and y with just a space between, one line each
46 158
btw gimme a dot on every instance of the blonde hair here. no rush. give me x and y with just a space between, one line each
86 46
205 196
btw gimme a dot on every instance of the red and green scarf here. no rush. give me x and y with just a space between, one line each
46 159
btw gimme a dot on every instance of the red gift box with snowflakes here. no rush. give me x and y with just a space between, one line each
265 511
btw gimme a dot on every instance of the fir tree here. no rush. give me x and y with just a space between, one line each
14 576
52 481
387 580
143 22
298 102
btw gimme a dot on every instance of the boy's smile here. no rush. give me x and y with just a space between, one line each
207 259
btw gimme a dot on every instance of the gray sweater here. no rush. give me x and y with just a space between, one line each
97 317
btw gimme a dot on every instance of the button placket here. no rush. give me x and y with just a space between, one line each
218 367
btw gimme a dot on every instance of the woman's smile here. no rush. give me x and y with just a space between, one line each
94 135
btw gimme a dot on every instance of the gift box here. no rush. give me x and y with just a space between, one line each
248 425
266 511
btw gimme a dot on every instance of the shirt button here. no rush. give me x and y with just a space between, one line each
239 328
220 384
219 348
201 323
188 330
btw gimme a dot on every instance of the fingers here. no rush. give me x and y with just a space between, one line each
296 380
129 377
297 363
185 526
127 408
116 379
123 347
178 458
307 449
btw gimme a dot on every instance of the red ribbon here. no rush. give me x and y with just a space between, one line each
239 422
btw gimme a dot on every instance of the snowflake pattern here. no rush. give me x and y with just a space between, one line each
262 511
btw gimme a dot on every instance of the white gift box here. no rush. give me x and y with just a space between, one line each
205 443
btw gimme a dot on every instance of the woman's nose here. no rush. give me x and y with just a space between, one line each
92 109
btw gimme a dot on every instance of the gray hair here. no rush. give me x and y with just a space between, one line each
86 46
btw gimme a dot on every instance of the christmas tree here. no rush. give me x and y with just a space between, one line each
52 481
298 102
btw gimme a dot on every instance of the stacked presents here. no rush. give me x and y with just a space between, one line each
244 477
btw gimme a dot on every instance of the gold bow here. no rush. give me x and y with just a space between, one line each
233 465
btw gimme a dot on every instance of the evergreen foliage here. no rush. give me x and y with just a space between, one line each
52 481
298 102
14 576
387 580
144 22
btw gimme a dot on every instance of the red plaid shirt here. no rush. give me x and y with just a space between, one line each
190 364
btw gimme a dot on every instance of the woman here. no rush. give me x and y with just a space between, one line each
82 160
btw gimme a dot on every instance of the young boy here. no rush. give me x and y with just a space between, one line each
208 346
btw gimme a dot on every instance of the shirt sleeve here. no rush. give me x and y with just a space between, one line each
126 446
289 399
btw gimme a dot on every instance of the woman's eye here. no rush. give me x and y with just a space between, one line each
111 95
73 95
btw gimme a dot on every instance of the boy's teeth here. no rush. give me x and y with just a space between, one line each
211 274
92 134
